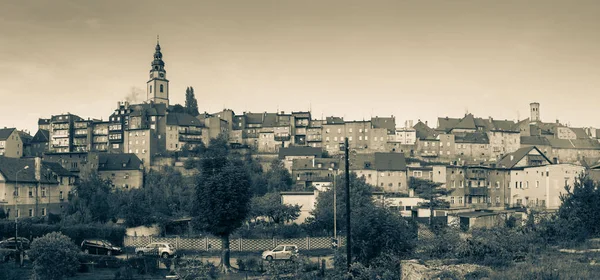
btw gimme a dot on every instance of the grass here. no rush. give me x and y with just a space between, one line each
553 265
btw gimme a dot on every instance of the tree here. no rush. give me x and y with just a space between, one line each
191 104
222 198
90 201
55 256
431 191
270 206
278 177
579 214
177 108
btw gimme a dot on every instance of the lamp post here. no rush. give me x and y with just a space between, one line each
16 208
334 204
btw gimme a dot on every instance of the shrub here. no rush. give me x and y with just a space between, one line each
143 265
195 269
77 233
101 261
54 256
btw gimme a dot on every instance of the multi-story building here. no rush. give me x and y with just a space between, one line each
315 172
44 124
117 123
39 143
300 123
82 135
100 142
80 164
314 134
288 154
386 171
183 129
334 131
123 170
142 142
11 144
62 129
33 188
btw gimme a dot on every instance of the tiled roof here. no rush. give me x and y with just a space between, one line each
424 132
334 120
300 151
25 137
182 119
390 161
510 160
254 118
5 133
504 125
43 121
301 114
108 161
57 168
574 143
580 133
472 137
535 140
41 136
10 166
468 122
446 124
270 120
387 123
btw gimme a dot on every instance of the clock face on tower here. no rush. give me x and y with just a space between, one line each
162 75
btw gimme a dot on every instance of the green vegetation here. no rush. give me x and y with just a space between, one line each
54 257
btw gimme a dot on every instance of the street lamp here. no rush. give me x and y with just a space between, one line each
334 206
16 209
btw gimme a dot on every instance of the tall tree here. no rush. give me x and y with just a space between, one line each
278 177
222 198
270 206
191 104
431 191
90 202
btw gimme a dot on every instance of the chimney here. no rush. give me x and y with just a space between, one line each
512 157
426 123
557 122
38 168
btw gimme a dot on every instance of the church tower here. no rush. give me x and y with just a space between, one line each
158 85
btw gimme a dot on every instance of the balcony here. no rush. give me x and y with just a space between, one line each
314 138
476 175
194 138
282 137
190 131
480 191
429 153
60 145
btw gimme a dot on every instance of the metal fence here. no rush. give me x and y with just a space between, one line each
235 244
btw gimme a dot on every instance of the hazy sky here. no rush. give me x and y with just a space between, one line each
356 59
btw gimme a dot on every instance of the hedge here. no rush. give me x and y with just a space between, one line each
77 233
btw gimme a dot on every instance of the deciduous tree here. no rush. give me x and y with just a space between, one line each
54 256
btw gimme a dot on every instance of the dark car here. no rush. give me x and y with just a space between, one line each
100 247
10 243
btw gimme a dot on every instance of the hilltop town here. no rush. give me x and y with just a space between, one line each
489 163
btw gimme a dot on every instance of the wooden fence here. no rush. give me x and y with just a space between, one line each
235 244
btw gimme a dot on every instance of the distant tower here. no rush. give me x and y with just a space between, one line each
158 85
535 112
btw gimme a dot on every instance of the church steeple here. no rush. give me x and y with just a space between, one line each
158 85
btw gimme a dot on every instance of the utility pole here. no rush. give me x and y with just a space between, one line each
348 234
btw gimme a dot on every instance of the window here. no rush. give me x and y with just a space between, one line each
43 211
43 191
18 214
497 185
16 191
161 88
360 130
462 185
30 212
360 137
350 138
460 200
30 192
426 144
453 184
335 138
497 199
452 200
366 137
350 130
537 184
150 89
60 195
366 130
417 173
527 185
339 130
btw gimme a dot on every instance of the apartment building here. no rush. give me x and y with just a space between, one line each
11 144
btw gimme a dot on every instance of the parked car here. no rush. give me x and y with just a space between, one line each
281 252
100 247
165 250
10 243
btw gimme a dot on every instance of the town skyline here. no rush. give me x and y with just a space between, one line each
365 54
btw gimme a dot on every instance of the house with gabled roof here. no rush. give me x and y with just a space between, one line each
11 144
39 143
123 170
30 187
386 171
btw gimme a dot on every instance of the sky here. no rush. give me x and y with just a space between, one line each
354 59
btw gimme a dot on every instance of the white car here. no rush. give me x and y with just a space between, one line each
281 252
164 250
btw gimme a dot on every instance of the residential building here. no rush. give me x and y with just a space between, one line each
333 133
315 172
26 138
314 134
143 143
100 142
61 133
81 164
118 122
182 129
82 135
386 171
123 170
44 124
300 123
11 144
39 143
288 154
30 187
